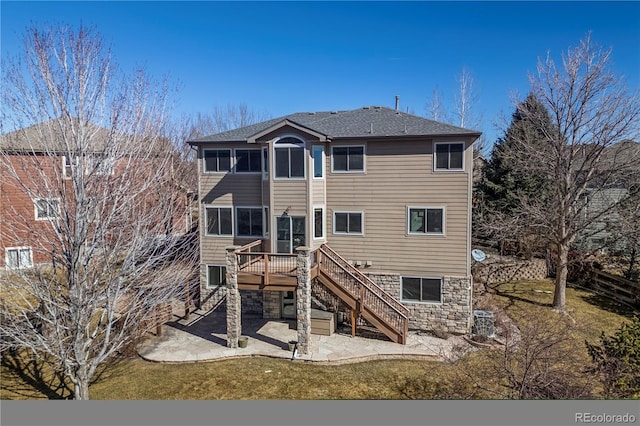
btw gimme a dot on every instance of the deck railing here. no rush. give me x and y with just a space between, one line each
362 288
252 260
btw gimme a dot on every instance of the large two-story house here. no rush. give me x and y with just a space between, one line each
37 166
371 206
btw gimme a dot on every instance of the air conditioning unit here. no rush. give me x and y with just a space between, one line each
483 323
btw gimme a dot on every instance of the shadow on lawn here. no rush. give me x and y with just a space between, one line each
23 374
514 294
608 304
26 377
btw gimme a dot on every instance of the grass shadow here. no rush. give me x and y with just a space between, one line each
30 378
608 304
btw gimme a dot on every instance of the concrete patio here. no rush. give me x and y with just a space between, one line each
203 338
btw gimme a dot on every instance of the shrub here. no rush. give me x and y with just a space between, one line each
617 360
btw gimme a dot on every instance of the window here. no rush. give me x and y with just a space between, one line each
426 220
265 216
18 257
289 158
449 156
265 163
348 159
422 289
318 161
69 164
248 161
218 220
47 208
249 221
217 160
347 223
318 222
216 276
100 164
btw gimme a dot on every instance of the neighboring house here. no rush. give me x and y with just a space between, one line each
380 199
45 170
601 209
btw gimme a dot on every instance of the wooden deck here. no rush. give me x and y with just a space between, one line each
269 271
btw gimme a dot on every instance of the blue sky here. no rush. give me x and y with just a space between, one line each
285 57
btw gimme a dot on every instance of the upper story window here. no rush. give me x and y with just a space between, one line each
347 159
218 221
47 208
248 161
100 164
449 156
265 163
18 257
217 160
347 223
426 220
318 161
249 221
289 158
69 164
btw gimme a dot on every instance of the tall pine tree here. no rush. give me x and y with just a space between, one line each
504 185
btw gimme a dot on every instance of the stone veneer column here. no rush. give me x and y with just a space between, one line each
234 315
303 300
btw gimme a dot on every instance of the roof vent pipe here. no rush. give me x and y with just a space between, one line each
397 102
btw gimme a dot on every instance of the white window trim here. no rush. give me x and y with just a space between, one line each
436 169
322 160
261 208
333 224
207 274
425 233
235 161
206 206
35 209
21 248
364 159
422 302
302 145
204 161
265 164
265 221
64 166
324 223
90 165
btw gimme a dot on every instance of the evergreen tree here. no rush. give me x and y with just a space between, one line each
504 185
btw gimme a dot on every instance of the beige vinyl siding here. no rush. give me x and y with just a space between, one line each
290 193
398 175
318 192
226 190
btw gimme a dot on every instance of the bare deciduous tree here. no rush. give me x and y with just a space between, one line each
89 161
581 154
221 119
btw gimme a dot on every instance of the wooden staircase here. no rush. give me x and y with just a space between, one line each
364 296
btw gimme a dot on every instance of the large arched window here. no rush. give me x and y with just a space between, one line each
289 158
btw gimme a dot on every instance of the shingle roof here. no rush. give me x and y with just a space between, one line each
365 122
51 136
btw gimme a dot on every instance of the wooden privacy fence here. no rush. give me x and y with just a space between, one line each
615 287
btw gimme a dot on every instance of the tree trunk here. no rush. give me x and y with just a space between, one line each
561 277
81 389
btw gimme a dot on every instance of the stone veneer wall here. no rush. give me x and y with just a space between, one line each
214 298
453 315
271 305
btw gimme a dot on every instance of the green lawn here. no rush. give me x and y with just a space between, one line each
262 378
